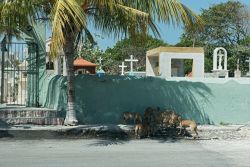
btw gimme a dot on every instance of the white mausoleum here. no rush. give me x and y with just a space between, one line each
56 66
169 61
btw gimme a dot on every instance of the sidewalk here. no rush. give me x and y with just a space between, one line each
206 132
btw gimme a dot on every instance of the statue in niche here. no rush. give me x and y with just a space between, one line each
219 69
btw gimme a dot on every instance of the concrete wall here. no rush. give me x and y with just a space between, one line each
166 58
102 100
151 66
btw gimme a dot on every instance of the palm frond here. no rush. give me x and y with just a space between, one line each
122 17
113 17
167 11
17 15
66 14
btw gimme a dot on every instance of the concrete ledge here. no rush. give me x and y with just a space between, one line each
25 115
34 121
230 132
13 112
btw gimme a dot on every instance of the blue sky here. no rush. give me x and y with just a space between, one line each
169 33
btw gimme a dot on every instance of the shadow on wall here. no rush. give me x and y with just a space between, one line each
103 100
53 93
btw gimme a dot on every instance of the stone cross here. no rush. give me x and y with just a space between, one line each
131 60
237 72
122 66
238 64
100 60
248 61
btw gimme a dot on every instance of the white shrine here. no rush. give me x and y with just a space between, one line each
169 61
220 63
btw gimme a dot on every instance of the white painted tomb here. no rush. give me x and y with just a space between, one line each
169 61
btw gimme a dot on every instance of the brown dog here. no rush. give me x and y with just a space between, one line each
175 119
165 118
136 117
189 123
141 130
151 118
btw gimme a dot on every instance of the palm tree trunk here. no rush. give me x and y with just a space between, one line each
69 58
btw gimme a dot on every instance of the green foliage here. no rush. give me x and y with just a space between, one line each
136 46
226 25
187 66
89 51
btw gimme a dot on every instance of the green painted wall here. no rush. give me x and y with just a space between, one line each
36 35
103 100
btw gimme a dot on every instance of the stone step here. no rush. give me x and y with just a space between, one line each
34 121
27 112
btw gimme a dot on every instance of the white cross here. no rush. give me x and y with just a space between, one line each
100 60
248 62
131 60
122 66
238 64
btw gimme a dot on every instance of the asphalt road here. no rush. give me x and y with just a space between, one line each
116 153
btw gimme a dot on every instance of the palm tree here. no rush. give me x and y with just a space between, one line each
70 18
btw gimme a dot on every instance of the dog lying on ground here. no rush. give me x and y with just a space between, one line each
191 124
136 117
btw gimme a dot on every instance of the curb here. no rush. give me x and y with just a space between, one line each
123 132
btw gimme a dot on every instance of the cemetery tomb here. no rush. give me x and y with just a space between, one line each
169 61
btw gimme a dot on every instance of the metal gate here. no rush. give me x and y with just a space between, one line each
19 74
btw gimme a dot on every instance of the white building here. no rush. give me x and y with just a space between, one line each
169 61
56 66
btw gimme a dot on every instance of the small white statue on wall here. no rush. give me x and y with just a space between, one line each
222 54
220 70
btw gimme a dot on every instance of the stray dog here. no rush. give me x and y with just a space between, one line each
151 118
142 130
165 118
175 120
136 117
189 123
151 114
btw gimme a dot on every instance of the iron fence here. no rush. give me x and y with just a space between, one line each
19 73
